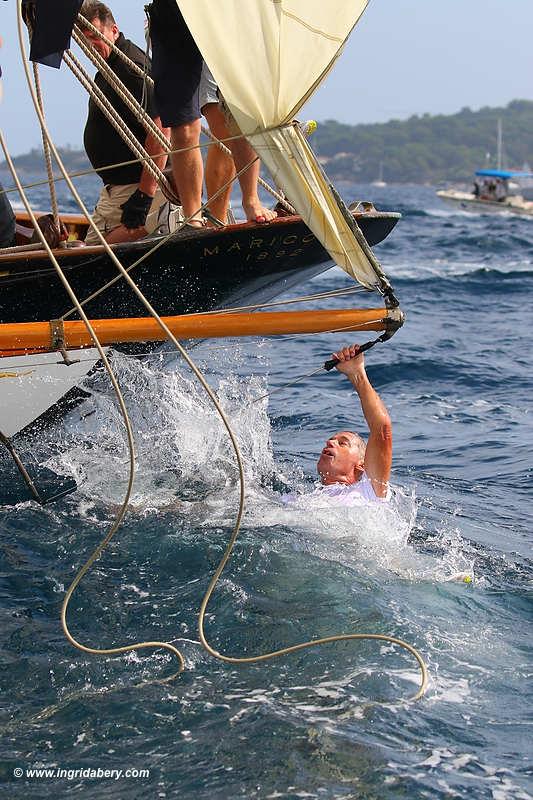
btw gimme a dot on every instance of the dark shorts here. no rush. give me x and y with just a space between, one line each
176 65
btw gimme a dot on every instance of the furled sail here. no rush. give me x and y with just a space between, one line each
268 57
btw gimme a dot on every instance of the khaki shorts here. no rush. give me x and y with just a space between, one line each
108 211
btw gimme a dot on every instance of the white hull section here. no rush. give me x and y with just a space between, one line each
511 205
30 385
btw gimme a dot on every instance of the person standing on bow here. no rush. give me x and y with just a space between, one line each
129 204
220 167
184 89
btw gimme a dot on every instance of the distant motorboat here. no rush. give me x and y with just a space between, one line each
495 191
379 182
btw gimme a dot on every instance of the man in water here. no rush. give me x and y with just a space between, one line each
351 471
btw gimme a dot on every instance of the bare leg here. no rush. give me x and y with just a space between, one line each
243 154
188 168
122 234
219 167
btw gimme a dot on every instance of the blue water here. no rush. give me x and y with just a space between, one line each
330 722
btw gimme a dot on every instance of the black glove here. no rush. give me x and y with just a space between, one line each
135 210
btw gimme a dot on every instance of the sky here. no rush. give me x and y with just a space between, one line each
404 57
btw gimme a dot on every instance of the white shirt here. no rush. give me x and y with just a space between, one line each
342 494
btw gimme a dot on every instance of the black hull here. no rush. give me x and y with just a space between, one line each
206 269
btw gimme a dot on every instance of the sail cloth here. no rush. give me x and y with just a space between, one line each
268 57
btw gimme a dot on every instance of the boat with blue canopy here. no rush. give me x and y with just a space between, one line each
496 191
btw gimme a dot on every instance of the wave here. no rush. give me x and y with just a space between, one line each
488 278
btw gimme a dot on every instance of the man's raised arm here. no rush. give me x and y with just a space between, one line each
378 456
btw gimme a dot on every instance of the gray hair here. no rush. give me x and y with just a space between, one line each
359 443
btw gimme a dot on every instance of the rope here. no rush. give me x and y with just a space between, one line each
129 433
46 148
122 90
142 73
112 115
21 248
122 511
163 241
47 155
80 173
97 552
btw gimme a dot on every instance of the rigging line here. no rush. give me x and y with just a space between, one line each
47 155
271 304
124 273
121 90
284 386
236 528
307 375
104 105
129 433
92 171
142 73
97 552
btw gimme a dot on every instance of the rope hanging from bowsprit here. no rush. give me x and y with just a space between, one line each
98 551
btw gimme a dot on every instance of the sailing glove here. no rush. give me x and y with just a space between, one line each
135 210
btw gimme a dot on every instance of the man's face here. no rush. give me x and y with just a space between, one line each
110 31
341 459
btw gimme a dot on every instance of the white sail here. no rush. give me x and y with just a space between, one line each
268 57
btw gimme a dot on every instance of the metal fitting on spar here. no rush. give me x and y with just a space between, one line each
395 319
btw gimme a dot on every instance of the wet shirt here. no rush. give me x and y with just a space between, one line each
341 494
103 144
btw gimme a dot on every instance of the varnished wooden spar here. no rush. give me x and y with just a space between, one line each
35 337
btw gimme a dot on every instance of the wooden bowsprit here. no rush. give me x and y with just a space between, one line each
39 337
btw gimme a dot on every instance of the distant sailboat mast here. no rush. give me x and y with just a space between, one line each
379 181
499 159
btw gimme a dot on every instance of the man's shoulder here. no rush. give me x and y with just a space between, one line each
133 52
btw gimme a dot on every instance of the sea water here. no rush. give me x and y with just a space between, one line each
445 566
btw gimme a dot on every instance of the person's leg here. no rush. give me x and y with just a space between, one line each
176 70
243 154
188 168
219 167
108 213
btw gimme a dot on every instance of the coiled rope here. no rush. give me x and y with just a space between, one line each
120 516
